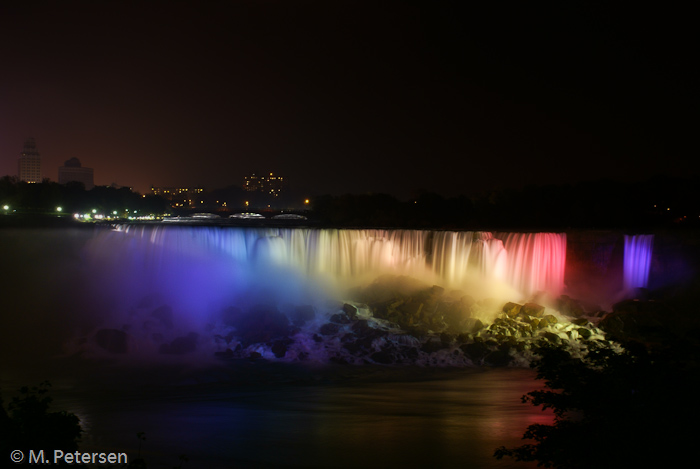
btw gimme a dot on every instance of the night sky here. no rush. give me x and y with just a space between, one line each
349 96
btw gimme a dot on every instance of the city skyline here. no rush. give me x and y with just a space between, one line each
353 97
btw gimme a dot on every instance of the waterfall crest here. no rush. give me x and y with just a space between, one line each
528 262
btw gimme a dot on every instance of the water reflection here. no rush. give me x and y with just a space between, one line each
306 419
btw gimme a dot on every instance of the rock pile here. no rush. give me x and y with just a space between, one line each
394 320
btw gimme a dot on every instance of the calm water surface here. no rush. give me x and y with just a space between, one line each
275 415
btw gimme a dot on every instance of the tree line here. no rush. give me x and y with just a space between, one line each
604 204
47 197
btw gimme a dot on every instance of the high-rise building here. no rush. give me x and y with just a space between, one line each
269 184
73 171
29 163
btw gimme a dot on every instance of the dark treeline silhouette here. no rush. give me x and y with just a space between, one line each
28 424
45 197
628 409
659 202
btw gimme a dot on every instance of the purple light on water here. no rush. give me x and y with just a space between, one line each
638 249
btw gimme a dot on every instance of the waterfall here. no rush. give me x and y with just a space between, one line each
528 262
536 261
637 260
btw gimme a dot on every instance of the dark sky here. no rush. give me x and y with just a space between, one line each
349 96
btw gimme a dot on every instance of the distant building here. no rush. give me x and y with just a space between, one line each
29 163
268 184
72 171
180 197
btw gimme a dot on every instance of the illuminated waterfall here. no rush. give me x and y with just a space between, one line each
528 262
637 260
536 261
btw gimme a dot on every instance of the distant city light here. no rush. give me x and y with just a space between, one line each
6 207
94 210
59 209
306 201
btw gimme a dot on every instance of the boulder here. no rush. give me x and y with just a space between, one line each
533 309
411 309
362 327
569 306
456 315
477 326
447 339
436 291
280 347
551 337
548 319
340 318
511 309
350 310
534 322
